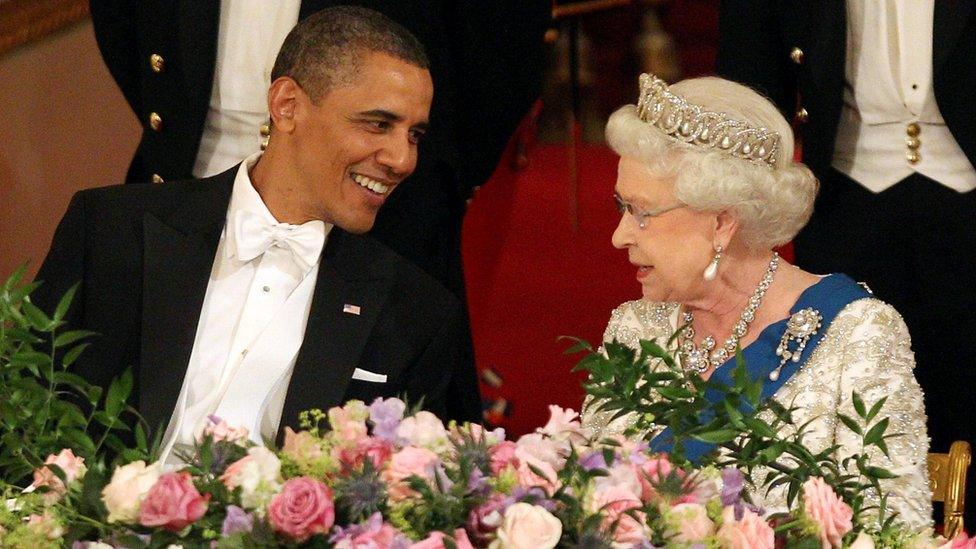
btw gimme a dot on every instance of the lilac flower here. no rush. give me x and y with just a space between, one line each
593 460
237 520
385 415
484 519
732 482
478 483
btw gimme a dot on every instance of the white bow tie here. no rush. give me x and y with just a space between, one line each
254 235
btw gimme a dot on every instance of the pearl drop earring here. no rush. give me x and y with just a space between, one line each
712 270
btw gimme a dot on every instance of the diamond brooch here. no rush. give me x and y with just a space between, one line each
799 329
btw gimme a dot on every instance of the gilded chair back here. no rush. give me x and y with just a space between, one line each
947 478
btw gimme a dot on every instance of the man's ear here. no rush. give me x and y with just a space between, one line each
726 226
284 95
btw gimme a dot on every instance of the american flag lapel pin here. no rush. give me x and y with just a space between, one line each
351 309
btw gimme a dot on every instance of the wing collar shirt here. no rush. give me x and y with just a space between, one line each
888 88
252 322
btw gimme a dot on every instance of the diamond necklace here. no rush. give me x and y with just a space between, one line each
700 357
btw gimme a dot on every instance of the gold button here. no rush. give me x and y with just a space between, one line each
913 142
913 157
913 129
802 115
265 130
157 62
156 178
155 121
796 54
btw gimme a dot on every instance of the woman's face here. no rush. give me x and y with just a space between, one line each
673 248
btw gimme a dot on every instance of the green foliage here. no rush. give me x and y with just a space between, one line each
45 408
749 434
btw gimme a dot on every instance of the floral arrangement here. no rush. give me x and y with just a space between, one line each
384 475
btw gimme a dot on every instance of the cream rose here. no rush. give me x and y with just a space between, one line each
258 474
129 485
527 526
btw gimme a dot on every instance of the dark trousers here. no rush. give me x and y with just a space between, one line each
915 245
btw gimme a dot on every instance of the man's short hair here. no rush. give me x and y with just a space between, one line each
326 48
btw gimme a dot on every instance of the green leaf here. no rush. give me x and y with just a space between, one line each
850 423
118 392
858 405
876 433
67 338
717 437
875 409
72 355
38 320
878 472
65 303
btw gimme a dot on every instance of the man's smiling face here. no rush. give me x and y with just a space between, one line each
359 141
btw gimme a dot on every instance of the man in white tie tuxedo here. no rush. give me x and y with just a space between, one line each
254 294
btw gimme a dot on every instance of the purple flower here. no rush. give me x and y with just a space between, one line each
484 519
237 520
385 415
478 482
593 460
732 482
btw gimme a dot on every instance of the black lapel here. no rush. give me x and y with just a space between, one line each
351 272
950 19
198 27
178 258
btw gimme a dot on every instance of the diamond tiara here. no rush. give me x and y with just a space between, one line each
689 123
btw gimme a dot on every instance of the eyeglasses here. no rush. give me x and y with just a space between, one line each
641 217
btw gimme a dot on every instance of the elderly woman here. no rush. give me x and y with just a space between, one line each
707 187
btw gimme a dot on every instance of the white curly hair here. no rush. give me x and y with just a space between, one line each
771 205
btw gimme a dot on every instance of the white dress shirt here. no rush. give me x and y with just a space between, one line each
888 87
250 36
251 326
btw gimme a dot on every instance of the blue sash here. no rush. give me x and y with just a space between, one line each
829 296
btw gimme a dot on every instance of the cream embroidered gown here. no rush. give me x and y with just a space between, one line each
865 348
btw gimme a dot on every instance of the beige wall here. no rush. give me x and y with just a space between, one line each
65 127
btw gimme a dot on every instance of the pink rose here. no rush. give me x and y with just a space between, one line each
375 449
527 526
302 509
301 446
502 455
220 431
823 506
613 503
173 503
752 532
436 541
689 523
961 541
408 461
374 535
71 465
527 477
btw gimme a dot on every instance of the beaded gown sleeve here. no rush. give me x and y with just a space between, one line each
865 349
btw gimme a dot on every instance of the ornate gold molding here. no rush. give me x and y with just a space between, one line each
22 21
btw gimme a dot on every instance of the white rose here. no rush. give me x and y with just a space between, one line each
425 430
129 485
527 526
863 541
258 474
